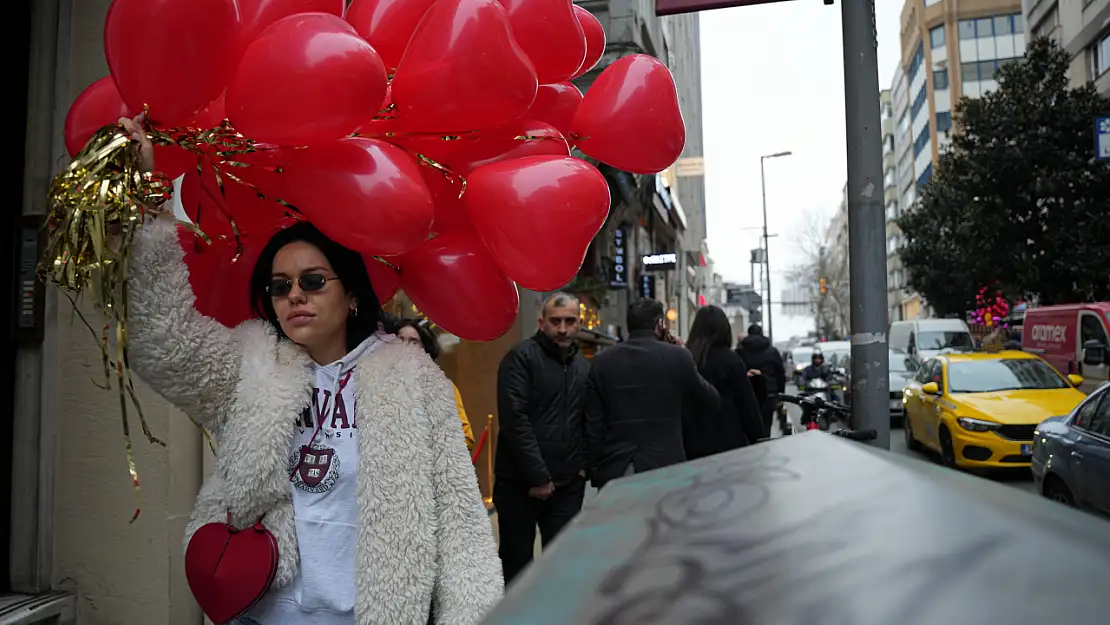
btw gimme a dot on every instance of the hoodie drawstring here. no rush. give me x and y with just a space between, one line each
336 390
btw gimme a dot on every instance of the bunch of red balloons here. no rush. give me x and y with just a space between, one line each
433 135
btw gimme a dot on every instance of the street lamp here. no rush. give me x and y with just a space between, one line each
766 246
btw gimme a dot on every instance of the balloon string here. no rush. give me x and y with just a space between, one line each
447 173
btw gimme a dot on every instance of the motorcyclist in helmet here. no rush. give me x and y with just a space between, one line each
816 369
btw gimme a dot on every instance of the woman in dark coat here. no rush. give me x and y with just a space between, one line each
737 422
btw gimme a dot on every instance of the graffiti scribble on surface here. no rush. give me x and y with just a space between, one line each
708 559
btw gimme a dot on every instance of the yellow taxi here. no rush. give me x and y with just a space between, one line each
978 410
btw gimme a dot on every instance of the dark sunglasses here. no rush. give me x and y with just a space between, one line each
309 283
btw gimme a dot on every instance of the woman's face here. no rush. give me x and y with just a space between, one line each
409 335
311 304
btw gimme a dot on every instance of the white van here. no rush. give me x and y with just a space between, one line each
925 338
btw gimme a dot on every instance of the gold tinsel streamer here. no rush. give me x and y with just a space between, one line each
96 206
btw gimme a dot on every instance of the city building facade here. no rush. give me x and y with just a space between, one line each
950 49
890 206
651 215
1082 27
68 542
833 309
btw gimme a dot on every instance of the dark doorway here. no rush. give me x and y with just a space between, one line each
20 33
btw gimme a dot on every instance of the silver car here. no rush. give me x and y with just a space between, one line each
902 368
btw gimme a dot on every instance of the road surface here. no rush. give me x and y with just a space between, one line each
1021 480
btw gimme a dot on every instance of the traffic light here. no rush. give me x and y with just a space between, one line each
823 286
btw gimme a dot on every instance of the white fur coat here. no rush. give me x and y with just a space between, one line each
425 536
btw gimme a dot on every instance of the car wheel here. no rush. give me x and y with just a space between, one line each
912 443
1055 489
947 450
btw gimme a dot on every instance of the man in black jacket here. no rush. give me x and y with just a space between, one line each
541 455
759 354
635 400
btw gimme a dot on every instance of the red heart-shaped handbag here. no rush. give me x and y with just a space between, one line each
229 569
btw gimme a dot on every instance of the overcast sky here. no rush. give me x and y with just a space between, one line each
773 80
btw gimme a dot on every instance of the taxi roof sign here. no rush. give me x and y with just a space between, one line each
676 7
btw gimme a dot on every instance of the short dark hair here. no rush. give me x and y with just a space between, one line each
427 339
349 267
643 314
560 298
755 330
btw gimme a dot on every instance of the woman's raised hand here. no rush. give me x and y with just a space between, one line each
134 127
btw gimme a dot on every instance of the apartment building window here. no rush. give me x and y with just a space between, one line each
983 70
918 102
922 141
1003 25
1048 23
940 79
936 37
916 62
944 122
925 175
888 178
990 26
1100 56
909 197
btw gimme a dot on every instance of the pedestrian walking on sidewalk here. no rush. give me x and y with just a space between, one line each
637 393
541 455
759 354
737 422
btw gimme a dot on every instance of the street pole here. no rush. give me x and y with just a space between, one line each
766 256
866 225
766 243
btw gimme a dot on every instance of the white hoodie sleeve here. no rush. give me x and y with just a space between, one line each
188 358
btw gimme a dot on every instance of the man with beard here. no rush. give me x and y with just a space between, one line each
541 456
759 354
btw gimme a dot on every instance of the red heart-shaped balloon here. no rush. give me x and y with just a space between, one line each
365 194
256 15
229 570
307 78
445 81
383 278
514 140
556 105
98 105
630 117
550 34
453 281
595 39
537 216
387 24
220 274
446 189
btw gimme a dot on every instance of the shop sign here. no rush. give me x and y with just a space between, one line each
619 278
660 262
